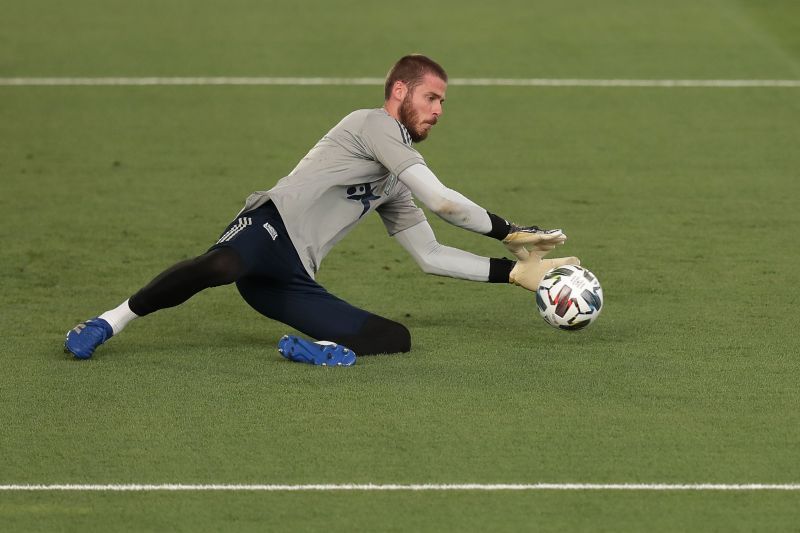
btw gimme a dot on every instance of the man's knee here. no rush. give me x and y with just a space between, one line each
395 337
220 266
378 335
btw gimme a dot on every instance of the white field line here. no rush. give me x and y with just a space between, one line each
414 487
477 82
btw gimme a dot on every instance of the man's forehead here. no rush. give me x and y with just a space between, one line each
433 83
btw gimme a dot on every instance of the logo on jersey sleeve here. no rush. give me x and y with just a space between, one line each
362 193
390 183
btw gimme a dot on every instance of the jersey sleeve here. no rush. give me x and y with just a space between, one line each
401 212
389 143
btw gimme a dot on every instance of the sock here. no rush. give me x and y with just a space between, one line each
119 317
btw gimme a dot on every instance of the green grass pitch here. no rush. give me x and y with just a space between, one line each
684 201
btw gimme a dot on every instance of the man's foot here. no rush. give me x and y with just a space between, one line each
315 353
86 336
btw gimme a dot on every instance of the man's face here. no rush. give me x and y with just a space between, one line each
422 107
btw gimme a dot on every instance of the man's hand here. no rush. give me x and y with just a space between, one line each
521 240
530 245
528 273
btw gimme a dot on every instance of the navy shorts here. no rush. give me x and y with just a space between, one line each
276 284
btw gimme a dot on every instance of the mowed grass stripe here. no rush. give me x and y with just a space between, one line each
413 487
475 82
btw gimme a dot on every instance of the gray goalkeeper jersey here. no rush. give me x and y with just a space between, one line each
350 172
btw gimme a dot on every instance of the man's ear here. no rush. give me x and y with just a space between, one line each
400 90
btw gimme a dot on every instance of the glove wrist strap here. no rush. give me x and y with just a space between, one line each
500 227
500 269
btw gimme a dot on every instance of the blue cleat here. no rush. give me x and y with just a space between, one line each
86 336
321 353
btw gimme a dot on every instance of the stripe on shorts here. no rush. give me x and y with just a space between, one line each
242 223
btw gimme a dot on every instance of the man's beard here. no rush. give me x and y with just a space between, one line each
410 119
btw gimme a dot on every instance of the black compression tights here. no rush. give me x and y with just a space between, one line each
180 282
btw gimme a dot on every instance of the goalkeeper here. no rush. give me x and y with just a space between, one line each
274 247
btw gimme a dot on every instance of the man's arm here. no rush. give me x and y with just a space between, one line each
452 206
529 244
440 260
460 211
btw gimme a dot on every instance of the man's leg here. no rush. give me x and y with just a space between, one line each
180 282
308 307
377 335
172 287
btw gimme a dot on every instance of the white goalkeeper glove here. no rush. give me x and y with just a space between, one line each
530 245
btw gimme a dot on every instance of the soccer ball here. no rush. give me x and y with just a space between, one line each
569 297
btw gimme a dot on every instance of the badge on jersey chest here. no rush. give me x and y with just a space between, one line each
362 193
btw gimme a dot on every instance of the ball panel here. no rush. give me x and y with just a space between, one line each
569 297
563 301
593 299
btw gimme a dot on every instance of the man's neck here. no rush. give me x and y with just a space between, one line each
392 109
